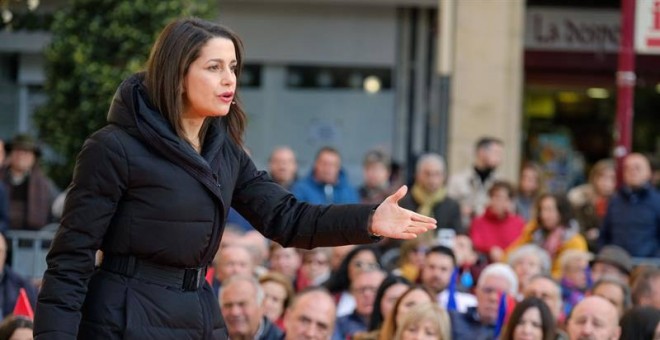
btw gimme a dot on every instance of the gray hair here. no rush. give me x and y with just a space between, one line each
238 279
430 157
531 250
500 270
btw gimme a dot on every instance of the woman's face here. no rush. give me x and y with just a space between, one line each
605 182
390 296
526 267
548 214
529 181
530 326
315 265
363 260
409 301
210 83
274 297
422 330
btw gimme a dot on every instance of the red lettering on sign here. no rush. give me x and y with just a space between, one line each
653 42
656 15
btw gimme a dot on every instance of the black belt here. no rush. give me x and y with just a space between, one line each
184 278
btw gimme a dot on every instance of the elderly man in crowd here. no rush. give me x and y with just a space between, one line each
428 195
479 322
240 304
594 318
311 316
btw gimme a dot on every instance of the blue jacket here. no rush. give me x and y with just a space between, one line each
467 326
10 285
311 191
633 222
348 325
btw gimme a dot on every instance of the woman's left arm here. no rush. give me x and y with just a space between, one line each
279 216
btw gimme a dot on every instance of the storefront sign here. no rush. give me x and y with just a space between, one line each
647 27
558 29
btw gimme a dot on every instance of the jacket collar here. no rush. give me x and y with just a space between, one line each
132 110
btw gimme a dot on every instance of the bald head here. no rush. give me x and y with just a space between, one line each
282 165
594 318
311 316
636 170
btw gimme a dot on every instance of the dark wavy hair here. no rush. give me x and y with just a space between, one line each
339 281
178 46
639 323
377 316
548 326
563 207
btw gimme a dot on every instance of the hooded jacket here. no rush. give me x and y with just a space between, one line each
140 190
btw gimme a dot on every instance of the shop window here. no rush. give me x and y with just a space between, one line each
370 80
250 76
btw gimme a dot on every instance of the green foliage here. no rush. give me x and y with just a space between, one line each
95 45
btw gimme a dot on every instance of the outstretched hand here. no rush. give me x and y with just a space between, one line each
390 220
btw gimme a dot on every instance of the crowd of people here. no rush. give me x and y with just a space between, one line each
508 260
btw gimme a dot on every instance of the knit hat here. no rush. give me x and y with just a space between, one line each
615 256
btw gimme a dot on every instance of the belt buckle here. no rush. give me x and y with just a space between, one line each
192 278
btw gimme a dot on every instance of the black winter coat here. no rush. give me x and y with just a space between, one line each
140 190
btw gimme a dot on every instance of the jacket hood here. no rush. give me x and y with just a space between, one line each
132 110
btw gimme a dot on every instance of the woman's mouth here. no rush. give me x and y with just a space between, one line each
227 97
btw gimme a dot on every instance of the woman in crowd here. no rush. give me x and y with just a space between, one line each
387 294
278 293
528 261
414 296
411 258
315 268
498 226
152 190
529 188
575 277
553 229
531 319
590 200
360 258
425 322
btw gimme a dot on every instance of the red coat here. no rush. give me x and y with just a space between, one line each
489 230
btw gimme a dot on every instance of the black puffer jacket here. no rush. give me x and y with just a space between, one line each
140 190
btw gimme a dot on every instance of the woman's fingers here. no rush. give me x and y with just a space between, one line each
421 218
